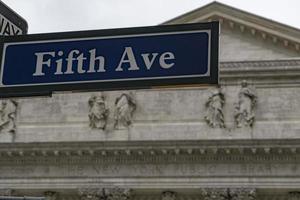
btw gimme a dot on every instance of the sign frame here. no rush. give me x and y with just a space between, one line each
13 17
47 90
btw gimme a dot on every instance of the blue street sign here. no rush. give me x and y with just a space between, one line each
111 59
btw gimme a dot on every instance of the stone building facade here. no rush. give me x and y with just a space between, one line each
240 140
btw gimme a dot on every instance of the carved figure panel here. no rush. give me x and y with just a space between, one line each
8 114
50 195
117 194
6 192
104 193
214 193
168 195
214 108
125 105
244 111
295 195
228 194
242 193
91 193
98 112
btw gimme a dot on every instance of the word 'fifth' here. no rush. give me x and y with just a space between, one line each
96 63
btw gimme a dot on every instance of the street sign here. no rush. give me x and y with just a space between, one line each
21 198
10 22
128 58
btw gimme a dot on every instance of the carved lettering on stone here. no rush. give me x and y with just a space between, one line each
8 114
214 108
168 195
244 111
98 112
125 105
50 195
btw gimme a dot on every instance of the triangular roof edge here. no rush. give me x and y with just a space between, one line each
223 8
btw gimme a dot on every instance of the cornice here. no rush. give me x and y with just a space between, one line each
244 22
187 151
263 72
283 63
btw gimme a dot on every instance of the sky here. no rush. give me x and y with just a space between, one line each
44 16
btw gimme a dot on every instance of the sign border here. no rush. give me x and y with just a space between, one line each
14 17
42 90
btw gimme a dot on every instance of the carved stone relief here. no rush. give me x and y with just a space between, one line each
98 112
242 193
125 105
50 195
213 193
91 193
8 114
168 195
104 193
228 194
117 193
244 110
214 108
294 195
6 192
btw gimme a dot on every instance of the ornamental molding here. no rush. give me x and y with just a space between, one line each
292 63
159 155
156 151
270 69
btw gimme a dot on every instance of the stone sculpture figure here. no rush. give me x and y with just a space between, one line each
125 106
244 113
8 114
98 112
214 106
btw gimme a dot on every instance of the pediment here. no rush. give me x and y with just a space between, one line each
245 36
